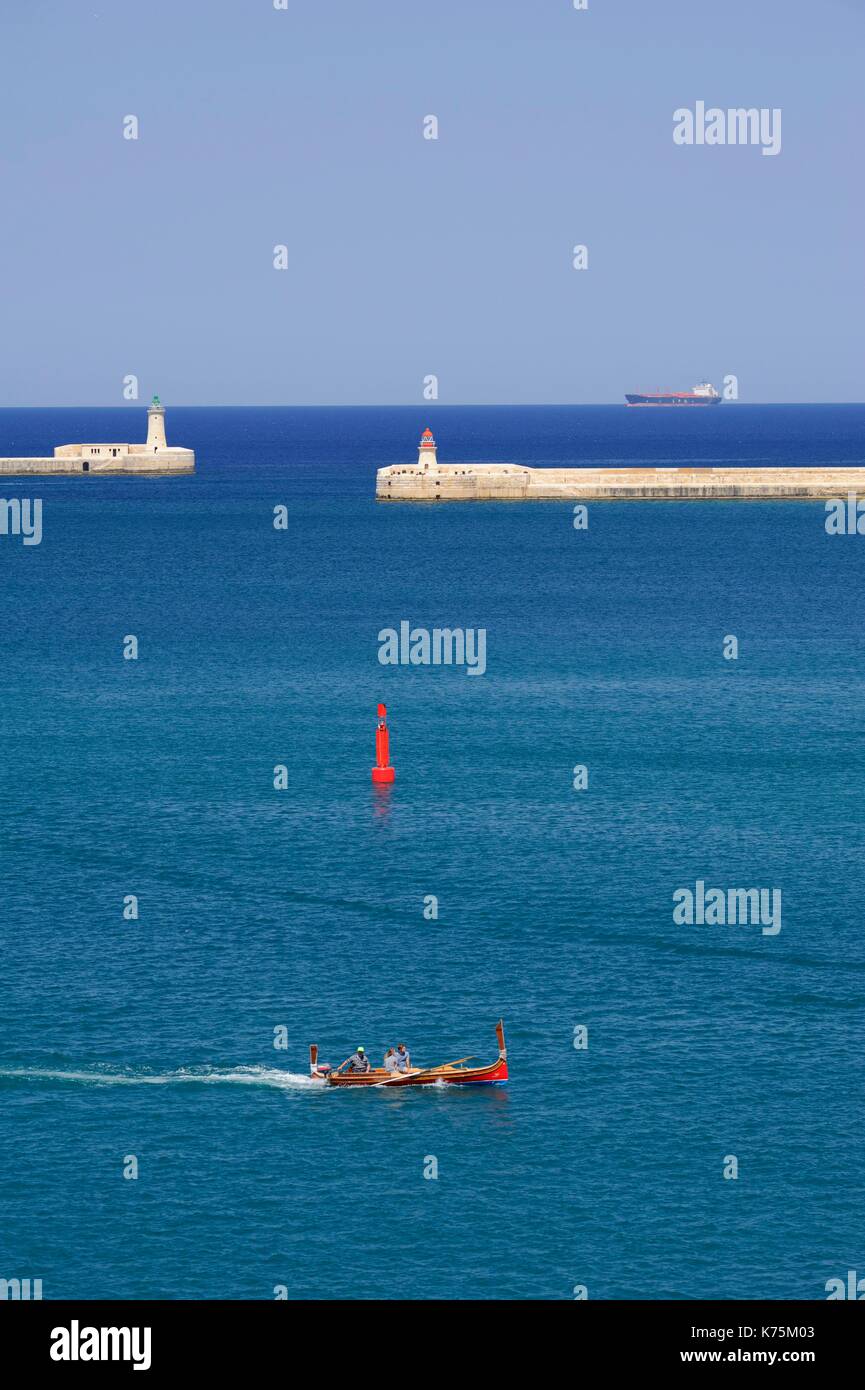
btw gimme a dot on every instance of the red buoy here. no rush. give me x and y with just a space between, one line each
382 772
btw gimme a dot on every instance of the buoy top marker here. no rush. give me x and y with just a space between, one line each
382 772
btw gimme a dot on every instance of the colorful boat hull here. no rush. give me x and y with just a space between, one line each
452 1074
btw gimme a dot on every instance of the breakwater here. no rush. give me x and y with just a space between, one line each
172 461
482 482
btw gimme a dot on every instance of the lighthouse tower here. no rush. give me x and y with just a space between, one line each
155 426
427 451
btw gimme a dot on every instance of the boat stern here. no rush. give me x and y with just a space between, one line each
319 1070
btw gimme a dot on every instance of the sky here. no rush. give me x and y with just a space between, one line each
409 258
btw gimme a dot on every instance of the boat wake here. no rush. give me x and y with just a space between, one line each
235 1076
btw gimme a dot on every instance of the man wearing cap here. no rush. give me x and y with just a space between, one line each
358 1062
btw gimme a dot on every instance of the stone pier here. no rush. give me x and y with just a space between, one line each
485 482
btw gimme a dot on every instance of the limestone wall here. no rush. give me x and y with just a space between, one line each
171 461
90 451
489 482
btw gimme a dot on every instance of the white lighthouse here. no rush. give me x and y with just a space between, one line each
155 426
427 451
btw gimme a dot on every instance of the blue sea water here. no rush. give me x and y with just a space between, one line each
303 908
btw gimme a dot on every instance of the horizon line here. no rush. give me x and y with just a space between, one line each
431 407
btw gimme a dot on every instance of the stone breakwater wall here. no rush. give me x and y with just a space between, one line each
481 482
171 461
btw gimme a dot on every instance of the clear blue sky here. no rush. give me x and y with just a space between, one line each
407 256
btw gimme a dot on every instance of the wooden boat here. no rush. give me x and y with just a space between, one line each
450 1074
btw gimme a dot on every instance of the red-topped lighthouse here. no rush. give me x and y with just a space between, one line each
427 450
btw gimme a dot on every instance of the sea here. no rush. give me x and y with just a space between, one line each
180 919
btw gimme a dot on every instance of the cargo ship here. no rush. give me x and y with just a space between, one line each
704 394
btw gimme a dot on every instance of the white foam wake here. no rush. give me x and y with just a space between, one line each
242 1076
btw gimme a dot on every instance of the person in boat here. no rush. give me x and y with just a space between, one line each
390 1060
403 1060
358 1062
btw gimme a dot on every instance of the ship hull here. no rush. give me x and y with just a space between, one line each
676 398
